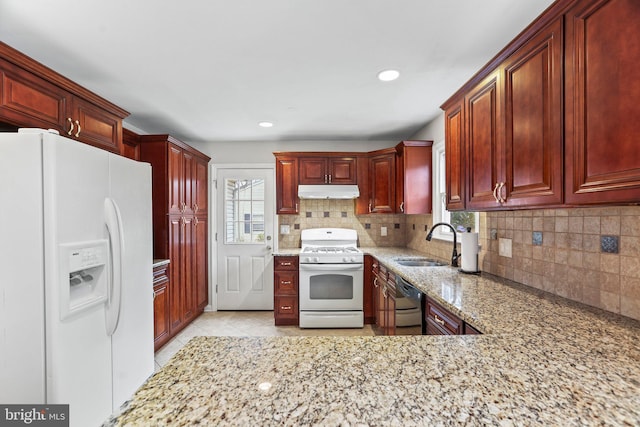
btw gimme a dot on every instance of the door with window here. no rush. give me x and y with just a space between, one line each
244 224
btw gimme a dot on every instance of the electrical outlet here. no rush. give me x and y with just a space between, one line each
383 231
285 229
504 247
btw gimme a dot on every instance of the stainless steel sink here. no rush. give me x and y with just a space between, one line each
419 262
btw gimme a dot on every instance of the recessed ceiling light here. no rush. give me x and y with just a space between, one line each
388 75
265 124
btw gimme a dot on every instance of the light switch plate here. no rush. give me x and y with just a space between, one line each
383 231
504 247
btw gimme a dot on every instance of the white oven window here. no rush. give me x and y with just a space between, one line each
331 286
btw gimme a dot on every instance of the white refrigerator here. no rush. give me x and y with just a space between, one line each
76 294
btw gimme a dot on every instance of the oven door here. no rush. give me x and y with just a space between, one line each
331 286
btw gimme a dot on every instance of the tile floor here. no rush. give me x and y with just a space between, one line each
242 323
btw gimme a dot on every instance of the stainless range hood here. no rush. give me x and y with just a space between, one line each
328 191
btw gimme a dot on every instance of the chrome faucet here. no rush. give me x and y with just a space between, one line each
454 255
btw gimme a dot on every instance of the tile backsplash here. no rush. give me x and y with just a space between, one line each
590 255
341 214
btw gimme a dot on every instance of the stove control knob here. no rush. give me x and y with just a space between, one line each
315 259
347 259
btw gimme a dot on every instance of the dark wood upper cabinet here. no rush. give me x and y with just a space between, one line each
382 180
550 121
413 169
32 95
327 170
533 121
602 102
287 201
484 142
455 157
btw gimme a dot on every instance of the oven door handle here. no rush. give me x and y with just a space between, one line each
331 267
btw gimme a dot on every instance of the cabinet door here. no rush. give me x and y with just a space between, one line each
313 170
286 185
413 168
27 100
95 126
342 170
199 187
455 157
368 298
533 114
160 313
176 179
186 264
176 273
200 260
188 187
602 59
484 142
382 177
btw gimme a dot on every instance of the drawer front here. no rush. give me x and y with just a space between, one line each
286 263
286 283
286 307
444 320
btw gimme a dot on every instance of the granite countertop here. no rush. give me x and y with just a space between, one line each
543 360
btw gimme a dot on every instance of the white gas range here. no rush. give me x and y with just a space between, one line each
331 279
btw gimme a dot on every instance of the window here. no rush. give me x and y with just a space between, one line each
459 220
244 210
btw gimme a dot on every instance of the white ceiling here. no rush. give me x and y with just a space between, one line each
210 70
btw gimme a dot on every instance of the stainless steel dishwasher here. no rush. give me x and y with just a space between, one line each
409 309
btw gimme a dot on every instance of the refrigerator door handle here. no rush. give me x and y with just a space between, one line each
113 220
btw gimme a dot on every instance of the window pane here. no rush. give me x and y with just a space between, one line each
463 220
244 210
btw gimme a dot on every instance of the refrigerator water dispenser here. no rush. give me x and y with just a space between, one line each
84 276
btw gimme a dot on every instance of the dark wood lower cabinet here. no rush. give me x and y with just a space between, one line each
160 305
441 321
285 290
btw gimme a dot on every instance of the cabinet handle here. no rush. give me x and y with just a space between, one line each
285 263
326 179
285 307
195 221
183 221
154 295
402 207
438 320
71 124
384 292
502 200
296 207
495 192
286 282
375 281
329 179
79 129
369 207
195 208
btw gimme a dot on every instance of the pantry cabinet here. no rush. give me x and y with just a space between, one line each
32 95
547 122
180 219
285 291
327 170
